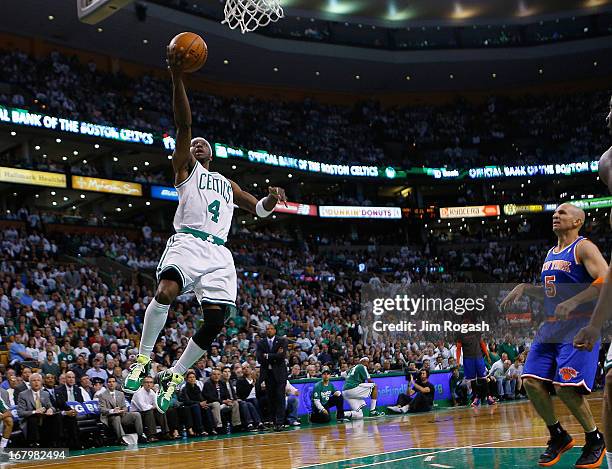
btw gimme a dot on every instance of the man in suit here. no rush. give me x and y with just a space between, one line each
114 413
271 353
218 398
245 389
39 420
248 413
69 392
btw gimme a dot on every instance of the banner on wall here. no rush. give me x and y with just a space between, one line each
389 387
341 211
35 178
473 211
23 117
106 185
590 204
297 209
164 193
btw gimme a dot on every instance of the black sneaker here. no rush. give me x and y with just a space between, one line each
592 455
556 447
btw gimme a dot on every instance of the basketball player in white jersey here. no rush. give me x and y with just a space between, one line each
195 258
588 336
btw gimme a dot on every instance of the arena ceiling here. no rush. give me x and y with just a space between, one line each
274 62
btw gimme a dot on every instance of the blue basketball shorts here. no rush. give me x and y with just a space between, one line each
474 368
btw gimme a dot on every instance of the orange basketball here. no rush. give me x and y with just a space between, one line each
193 48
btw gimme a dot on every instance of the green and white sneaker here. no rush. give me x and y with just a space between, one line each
139 369
376 413
168 383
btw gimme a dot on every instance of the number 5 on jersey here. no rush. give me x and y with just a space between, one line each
213 208
549 286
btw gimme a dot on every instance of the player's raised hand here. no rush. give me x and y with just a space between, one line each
279 194
586 338
175 58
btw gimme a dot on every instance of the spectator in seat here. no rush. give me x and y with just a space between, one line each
98 388
39 420
26 372
86 388
114 413
324 397
515 370
17 352
79 368
49 366
97 371
218 399
11 390
248 413
200 370
458 390
59 401
196 407
246 391
143 401
296 372
292 403
504 384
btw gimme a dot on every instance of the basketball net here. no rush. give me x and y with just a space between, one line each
251 14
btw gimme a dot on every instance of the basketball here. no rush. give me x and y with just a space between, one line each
193 48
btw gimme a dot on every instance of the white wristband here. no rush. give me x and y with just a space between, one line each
261 210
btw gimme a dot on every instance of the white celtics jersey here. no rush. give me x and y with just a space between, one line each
206 203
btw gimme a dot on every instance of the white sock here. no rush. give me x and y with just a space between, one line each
373 404
4 442
191 354
609 458
154 321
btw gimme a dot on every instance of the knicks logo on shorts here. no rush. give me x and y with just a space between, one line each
567 373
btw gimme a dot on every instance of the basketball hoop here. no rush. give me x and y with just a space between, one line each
251 14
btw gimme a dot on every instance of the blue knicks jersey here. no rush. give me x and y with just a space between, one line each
564 278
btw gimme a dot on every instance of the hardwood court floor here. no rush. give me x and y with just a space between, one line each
498 437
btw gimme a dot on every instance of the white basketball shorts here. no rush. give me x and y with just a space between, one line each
207 269
355 396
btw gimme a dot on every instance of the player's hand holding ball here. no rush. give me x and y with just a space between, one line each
186 53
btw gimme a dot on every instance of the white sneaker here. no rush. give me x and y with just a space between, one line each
297 423
404 410
395 408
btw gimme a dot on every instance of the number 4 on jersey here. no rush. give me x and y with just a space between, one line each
213 208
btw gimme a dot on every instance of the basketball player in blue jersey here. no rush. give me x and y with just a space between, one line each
195 258
588 336
569 300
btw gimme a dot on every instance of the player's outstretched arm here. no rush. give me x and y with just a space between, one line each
248 202
518 292
182 160
588 336
590 256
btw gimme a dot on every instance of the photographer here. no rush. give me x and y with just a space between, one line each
420 395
